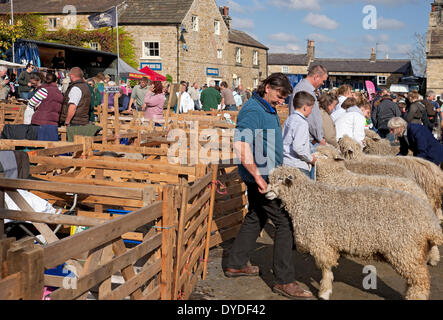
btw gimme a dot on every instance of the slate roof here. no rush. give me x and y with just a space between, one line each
155 11
287 59
56 6
240 37
366 66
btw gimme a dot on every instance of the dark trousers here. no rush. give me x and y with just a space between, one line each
260 209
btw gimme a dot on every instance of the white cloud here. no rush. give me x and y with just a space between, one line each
317 37
234 6
320 21
296 4
383 23
283 37
242 23
289 48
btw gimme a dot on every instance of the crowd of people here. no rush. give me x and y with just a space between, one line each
315 119
48 96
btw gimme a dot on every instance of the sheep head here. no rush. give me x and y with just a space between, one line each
283 178
370 134
350 148
329 161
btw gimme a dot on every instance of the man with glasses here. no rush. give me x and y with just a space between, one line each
24 88
317 76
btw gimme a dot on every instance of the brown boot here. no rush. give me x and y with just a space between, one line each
293 291
248 271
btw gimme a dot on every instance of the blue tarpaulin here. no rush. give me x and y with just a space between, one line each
26 52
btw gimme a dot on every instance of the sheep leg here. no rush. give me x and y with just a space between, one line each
325 260
419 283
326 284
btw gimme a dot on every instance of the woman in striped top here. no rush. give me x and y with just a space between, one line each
48 109
36 80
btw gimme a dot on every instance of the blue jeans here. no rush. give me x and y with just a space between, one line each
26 95
309 174
314 147
231 107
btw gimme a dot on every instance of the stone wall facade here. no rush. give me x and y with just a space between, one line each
191 63
434 61
291 69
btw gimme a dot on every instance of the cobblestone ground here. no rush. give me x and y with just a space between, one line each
348 282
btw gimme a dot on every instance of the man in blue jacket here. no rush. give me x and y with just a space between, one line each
418 139
258 143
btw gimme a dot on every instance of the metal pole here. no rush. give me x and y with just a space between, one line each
118 46
12 21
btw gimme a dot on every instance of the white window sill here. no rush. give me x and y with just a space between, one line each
150 58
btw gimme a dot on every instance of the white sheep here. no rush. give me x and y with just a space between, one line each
425 173
330 169
374 144
366 222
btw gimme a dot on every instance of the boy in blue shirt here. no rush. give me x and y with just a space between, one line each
296 146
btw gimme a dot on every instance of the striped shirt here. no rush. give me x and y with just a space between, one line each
38 97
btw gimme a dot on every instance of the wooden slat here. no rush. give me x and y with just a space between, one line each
199 185
10 287
49 218
136 166
195 224
228 220
134 283
197 205
232 204
153 295
66 248
70 188
224 235
102 272
59 150
24 205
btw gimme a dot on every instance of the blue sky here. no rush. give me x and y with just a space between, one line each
335 25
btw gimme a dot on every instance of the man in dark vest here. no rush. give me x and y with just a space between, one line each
77 100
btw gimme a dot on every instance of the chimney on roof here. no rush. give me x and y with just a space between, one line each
224 11
373 55
311 50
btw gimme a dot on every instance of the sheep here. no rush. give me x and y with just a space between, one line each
365 222
374 144
330 169
425 173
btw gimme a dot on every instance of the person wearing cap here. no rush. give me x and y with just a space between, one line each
402 106
24 88
386 110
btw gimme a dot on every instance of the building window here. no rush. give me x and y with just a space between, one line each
151 49
381 81
255 83
238 55
285 69
217 27
52 23
219 53
194 21
255 58
94 45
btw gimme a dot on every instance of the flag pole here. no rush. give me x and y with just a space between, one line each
118 46
12 22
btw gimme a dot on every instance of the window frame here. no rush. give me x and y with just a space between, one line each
92 47
219 53
217 27
381 82
238 55
285 69
144 56
255 61
195 23
51 26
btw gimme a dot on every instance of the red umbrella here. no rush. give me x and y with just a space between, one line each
152 75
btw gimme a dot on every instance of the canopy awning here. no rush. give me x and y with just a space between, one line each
152 75
11 65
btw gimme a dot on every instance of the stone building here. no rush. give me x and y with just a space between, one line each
434 50
190 40
382 72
